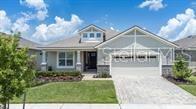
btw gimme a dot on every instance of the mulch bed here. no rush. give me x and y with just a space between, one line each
59 78
177 81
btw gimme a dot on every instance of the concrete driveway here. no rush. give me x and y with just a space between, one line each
145 89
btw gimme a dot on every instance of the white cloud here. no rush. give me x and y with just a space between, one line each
180 26
152 4
5 22
59 29
39 5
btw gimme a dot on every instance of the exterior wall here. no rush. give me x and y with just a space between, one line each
167 70
38 57
142 42
103 68
52 61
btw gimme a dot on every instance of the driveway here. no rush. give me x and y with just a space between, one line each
153 89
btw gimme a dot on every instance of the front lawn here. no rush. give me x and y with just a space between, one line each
72 92
191 88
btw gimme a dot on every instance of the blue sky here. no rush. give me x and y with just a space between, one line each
158 16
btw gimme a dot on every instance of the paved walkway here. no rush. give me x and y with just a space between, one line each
138 89
101 106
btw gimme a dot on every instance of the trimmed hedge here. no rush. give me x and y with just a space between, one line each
56 74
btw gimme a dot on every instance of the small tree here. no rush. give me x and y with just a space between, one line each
180 69
15 71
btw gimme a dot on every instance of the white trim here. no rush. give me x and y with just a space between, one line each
91 39
91 26
160 63
145 32
110 64
57 60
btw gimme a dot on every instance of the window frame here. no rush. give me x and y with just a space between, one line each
66 58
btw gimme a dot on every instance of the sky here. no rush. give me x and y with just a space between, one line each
46 21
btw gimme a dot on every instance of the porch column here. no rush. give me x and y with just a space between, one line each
44 63
78 62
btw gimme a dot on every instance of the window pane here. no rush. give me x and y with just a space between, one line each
69 62
69 55
62 55
91 35
61 62
85 35
98 35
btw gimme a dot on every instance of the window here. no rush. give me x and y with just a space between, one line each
98 35
85 35
65 59
92 35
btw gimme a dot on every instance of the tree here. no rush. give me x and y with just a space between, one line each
16 72
180 69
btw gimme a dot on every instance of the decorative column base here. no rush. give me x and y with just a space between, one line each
43 66
79 67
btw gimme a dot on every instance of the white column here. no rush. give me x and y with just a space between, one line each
78 63
78 57
44 63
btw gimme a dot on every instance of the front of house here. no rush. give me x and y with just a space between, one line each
94 49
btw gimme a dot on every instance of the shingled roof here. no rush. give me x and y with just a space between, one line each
74 41
187 42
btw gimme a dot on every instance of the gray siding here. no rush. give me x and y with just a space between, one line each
38 57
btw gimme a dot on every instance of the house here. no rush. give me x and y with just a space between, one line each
33 50
134 50
188 49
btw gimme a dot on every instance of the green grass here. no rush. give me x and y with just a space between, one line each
72 92
191 88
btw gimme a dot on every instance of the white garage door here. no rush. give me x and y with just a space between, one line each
140 65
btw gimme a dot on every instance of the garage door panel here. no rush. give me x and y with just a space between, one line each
135 67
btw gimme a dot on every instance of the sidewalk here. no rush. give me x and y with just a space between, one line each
102 106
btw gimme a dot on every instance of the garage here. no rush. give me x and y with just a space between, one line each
135 65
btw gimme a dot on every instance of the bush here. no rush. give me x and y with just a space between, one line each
180 69
102 75
56 74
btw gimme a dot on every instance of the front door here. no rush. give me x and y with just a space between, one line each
92 60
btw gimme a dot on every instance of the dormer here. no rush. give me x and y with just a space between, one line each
92 33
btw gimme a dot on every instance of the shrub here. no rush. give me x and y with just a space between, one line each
180 69
55 73
102 75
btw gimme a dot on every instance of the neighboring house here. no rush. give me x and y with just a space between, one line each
33 50
188 49
134 50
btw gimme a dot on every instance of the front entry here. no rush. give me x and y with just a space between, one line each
90 60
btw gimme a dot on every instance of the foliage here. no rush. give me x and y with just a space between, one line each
180 69
55 73
16 69
102 75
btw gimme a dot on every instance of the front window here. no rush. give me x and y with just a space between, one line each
92 35
98 35
65 59
85 35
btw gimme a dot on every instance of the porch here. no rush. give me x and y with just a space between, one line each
84 61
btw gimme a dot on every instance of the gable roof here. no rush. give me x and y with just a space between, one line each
145 31
187 42
75 42
27 43
89 26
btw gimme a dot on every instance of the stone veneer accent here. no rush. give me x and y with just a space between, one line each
167 70
103 68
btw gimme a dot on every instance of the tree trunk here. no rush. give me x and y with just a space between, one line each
8 104
24 100
4 105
